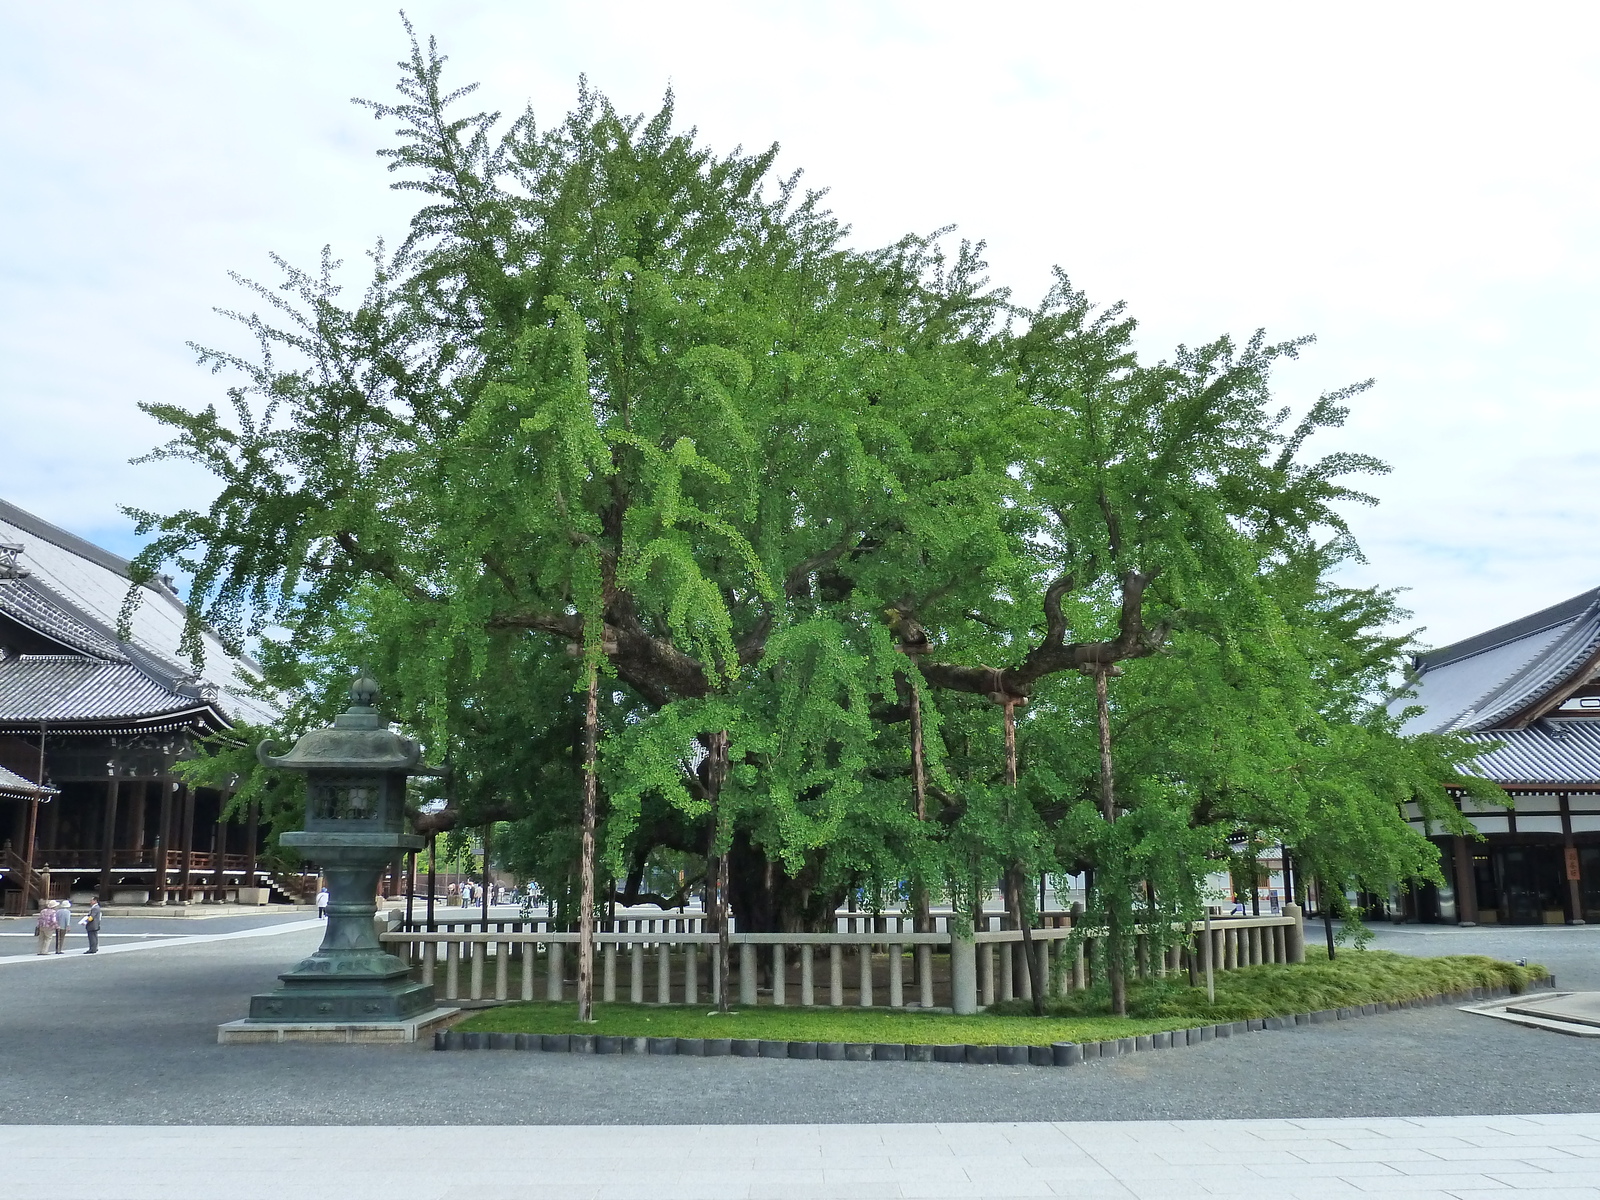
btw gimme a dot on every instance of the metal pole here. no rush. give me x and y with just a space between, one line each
411 886
488 842
432 838
33 828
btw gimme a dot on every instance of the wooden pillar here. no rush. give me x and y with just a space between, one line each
140 795
108 838
158 895
186 840
1466 883
252 834
50 839
219 855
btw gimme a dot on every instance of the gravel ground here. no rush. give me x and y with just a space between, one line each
131 1039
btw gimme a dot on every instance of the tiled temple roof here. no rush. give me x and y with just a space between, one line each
70 593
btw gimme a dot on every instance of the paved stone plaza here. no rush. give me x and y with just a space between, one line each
1393 1104
1437 1158
149 1014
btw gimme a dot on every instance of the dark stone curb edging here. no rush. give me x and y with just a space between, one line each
1058 1054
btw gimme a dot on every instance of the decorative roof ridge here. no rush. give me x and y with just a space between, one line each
1572 648
88 638
83 548
1511 631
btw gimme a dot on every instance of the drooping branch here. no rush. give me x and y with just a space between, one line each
1054 654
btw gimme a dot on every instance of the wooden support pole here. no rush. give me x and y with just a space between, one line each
108 837
186 821
158 895
1466 883
252 839
136 814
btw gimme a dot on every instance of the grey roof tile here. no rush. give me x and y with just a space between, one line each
1487 681
24 602
12 784
1559 750
66 688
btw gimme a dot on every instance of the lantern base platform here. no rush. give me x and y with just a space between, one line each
418 1028
320 998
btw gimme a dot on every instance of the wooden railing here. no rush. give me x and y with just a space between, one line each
92 860
469 960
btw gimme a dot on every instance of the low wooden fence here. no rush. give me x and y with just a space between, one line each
671 959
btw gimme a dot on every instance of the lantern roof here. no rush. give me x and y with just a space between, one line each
359 740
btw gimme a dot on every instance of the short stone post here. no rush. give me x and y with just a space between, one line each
779 975
836 976
897 995
808 983
1294 934
864 983
747 974
554 972
925 975
691 974
663 972
963 972
608 974
636 973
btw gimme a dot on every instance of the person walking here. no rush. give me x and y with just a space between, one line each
63 924
91 926
44 925
322 902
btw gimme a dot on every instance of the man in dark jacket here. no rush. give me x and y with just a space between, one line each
91 926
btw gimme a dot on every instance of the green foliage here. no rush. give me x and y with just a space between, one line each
617 399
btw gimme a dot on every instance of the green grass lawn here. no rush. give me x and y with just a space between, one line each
1355 977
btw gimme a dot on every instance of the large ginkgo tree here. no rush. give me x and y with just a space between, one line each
877 580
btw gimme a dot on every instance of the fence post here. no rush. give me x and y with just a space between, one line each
608 986
747 974
554 972
664 973
779 981
808 984
963 971
1295 932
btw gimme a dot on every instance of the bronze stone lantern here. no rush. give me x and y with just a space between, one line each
356 776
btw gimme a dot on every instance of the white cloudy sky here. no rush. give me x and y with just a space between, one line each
1414 183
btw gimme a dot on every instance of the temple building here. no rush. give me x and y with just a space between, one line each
91 726
1531 690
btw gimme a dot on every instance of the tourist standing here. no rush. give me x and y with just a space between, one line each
63 924
44 925
91 926
322 902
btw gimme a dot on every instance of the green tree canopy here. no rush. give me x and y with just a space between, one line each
619 399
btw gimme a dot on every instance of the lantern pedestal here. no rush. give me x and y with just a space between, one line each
351 977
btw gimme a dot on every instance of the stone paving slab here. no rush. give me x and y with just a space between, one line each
1147 1160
